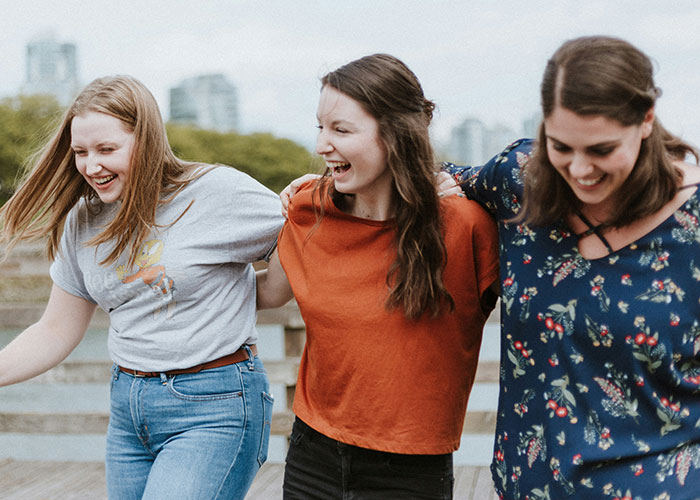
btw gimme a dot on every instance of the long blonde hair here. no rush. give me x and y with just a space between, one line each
53 186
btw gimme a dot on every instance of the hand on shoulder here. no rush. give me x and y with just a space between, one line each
292 188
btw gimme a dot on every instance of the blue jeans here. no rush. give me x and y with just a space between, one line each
321 468
196 436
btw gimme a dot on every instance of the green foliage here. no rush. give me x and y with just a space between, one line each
25 122
272 161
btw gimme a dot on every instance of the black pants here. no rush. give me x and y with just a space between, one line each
325 469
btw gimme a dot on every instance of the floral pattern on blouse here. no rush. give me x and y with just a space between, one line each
600 359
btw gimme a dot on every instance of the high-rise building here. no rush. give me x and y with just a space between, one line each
206 101
531 125
472 143
52 68
467 142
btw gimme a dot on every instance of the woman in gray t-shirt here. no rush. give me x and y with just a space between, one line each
165 247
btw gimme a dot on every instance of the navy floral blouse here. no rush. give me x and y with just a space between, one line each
600 359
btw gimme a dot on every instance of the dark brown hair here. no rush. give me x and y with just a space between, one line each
54 185
604 76
389 91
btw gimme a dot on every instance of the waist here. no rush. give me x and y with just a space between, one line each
230 359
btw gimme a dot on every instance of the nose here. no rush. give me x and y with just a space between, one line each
323 145
92 165
580 166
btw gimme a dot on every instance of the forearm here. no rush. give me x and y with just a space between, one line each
48 341
272 286
270 296
33 352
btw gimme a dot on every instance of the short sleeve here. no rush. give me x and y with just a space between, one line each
245 215
485 250
65 270
497 185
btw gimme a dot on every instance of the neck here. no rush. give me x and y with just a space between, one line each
600 213
373 209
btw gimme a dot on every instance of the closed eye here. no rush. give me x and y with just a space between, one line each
601 151
562 148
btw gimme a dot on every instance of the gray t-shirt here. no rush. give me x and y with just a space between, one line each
190 297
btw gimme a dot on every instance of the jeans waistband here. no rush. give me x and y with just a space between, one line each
230 359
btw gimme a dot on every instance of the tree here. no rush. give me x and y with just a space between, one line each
271 160
25 123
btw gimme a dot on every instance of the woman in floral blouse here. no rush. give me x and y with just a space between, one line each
600 287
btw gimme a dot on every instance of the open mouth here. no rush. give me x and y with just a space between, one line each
337 167
104 180
590 182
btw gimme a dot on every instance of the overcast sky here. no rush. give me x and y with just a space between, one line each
479 59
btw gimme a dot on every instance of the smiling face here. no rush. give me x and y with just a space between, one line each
102 146
350 144
595 155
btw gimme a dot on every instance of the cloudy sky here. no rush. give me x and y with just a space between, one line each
474 58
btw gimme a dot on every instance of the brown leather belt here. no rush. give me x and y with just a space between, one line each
236 357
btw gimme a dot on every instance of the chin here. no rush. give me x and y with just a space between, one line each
342 189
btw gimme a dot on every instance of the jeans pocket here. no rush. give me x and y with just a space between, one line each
299 429
208 385
267 401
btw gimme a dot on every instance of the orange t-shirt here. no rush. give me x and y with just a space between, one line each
368 376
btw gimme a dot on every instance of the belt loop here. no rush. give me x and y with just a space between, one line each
163 378
251 358
115 371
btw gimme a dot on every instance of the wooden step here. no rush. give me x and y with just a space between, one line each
476 422
278 371
86 480
30 289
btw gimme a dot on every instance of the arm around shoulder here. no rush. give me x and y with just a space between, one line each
272 287
49 341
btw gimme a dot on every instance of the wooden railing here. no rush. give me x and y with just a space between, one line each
24 288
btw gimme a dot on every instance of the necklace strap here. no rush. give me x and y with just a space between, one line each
592 229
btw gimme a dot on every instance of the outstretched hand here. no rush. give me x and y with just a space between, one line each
292 188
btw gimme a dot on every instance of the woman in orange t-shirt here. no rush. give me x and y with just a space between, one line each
394 285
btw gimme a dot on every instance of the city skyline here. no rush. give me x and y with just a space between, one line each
473 58
208 101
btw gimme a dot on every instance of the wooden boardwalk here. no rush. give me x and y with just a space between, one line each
85 481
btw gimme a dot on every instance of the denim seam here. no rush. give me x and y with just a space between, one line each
243 435
211 397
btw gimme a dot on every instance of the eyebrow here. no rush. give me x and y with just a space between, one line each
103 143
335 122
592 146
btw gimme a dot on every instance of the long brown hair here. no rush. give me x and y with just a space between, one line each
53 186
604 76
389 91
